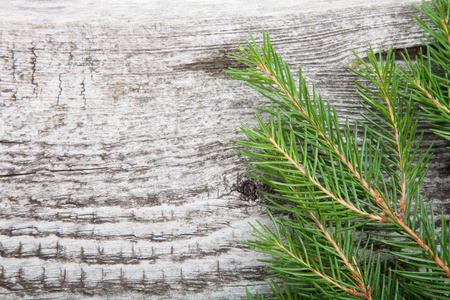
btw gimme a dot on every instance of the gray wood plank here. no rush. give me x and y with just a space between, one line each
118 175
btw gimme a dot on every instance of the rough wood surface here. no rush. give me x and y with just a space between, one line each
118 177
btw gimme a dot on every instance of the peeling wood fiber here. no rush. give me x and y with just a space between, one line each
118 177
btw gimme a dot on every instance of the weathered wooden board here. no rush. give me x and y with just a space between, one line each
118 176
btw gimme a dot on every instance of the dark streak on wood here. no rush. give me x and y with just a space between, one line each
214 65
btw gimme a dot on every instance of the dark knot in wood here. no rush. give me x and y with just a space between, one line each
249 189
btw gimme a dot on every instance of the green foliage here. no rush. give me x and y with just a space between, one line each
353 223
427 78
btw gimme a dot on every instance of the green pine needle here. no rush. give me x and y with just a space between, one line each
358 227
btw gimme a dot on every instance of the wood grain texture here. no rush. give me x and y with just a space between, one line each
118 177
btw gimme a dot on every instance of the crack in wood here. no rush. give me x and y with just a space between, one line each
46 281
13 68
9 142
33 69
32 231
37 172
60 90
83 90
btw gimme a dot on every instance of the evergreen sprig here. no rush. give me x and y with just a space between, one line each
358 227
427 77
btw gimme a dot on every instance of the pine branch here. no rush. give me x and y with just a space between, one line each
349 187
320 187
313 114
387 86
365 292
386 82
428 78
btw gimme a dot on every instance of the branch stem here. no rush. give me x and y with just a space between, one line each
320 187
433 100
353 292
355 271
402 203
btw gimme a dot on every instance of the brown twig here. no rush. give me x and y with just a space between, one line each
320 187
351 291
402 202
426 94
444 24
